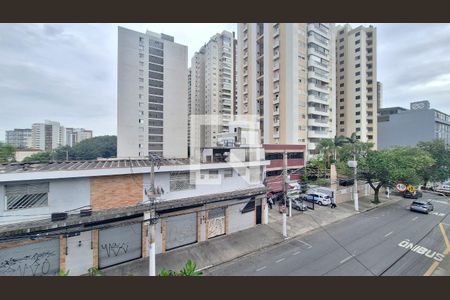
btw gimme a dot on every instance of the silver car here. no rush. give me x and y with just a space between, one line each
421 206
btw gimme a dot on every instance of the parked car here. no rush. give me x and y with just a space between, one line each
299 205
421 206
412 195
318 198
346 181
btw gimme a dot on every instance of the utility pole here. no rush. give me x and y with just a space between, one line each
151 224
355 185
285 192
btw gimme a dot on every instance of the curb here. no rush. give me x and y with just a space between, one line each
295 236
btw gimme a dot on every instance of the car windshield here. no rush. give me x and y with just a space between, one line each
418 203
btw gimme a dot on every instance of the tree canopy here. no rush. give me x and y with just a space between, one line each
7 153
100 146
440 170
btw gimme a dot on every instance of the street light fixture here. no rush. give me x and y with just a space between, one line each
354 164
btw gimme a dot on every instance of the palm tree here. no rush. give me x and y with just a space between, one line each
338 141
326 146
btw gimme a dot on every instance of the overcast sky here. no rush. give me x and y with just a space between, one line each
67 72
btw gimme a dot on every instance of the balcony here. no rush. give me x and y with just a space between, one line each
317 87
276 78
276 122
276 112
276 100
319 65
276 89
318 53
318 111
313 74
276 134
316 27
276 66
319 41
317 99
276 43
312 146
318 133
318 122
276 55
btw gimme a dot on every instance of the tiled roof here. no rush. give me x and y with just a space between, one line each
85 165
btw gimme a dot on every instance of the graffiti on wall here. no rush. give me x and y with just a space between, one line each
115 249
35 264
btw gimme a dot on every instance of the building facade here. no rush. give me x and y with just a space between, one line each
402 127
76 135
212 88
356 78
286 75
48 135
194 203
19 138
152 95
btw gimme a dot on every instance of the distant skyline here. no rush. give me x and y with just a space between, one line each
68 72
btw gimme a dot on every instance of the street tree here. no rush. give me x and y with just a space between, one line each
440 171
385 168
44 156
7 153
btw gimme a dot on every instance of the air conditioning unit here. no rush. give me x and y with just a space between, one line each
59 216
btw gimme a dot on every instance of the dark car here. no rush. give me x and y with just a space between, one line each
421 206
412 195
346 181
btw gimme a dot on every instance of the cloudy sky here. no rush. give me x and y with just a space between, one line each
67 72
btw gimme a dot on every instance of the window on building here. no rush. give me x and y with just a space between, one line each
341 55
213 174
21 196
357 73
341 85
273 156
341 100
228 173
358 105
358 129
357 34
341 122
180 181
358 97
341 70
357 81
341 40
357 65
341 130
341 115
357 89
357 49
357 42
358 121
341 92
358 113
341 107
295 155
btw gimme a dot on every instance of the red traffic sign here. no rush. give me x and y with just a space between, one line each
401 187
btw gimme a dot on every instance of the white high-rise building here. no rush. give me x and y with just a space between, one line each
152 95
76 135
212 87
47 136
286 75
357 90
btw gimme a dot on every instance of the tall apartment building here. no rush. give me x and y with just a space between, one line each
76 135
379 95
212 87
357 90
19 138
48 135
152 95
286 76
189 107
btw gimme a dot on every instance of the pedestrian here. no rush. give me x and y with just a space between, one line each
270 202
333 202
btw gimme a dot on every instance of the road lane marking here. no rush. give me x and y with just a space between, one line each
295 253
305 243
345 259
447 243
260 269
280 260
439 201
431 269
388 234
415 218
205 268
437 214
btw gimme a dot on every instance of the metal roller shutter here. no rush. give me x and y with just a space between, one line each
119 244
36 259
181 230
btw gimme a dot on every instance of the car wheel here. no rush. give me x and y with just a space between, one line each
320 203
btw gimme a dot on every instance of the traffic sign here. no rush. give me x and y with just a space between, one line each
401 187
411 188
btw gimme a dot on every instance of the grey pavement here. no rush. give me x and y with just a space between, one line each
215 252
363 244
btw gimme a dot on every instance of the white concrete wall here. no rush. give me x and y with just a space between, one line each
175 100
64 195
79 256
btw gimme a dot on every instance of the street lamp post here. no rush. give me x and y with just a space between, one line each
353 164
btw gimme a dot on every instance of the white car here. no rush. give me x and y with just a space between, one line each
318 198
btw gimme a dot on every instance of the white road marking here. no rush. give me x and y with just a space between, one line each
415 218
437 214
388 234
345 259
439 201
205 267
295 253
260 269
304 243
280 260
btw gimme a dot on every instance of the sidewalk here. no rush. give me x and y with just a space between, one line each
226 248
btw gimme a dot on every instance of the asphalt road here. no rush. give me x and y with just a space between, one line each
382 241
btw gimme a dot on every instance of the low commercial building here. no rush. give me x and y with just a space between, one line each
195 202
21 154
398 126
